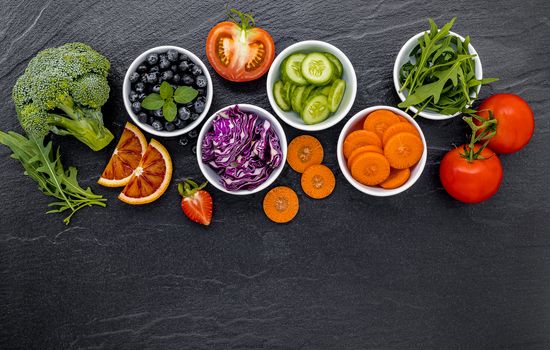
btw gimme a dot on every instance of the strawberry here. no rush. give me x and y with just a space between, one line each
196 202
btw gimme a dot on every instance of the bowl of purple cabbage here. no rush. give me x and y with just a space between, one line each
241 149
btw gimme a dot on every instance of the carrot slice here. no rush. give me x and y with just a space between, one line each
281 204
360 138
396 129
370 168
379 120
318 181
397 178
303 152
363 149
403 150
402 119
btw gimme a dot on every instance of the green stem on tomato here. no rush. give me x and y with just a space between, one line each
482 132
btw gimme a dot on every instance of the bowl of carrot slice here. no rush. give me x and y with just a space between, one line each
382 151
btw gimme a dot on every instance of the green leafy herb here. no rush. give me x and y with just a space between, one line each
185 94
441 74
167 99
43 165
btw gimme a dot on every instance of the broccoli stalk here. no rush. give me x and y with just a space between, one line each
83 123
62 91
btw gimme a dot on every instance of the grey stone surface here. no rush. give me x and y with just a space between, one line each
414 271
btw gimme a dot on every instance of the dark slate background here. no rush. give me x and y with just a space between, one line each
414 271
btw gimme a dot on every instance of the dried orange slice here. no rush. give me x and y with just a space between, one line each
125 158
150 178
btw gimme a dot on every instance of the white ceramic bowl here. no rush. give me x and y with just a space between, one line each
127 86
403 57
213 177
356 123
293 118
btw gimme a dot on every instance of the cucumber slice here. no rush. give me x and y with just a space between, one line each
308 92
337 64
286 92
278 95
335 95
317 69
296 98
315 110
291 69
325 90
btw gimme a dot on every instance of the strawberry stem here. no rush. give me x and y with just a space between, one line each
189 187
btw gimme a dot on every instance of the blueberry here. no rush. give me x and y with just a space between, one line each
202 92
152 78
187 80
139 88
183 141
133 96
184 113
136 107
141 68
143 117
173 55
156 88
195 116
174 68
180 124
134 77
143 78
141 97
183 66
176 79
164 63
183 57
194 149
166 75
201 81
196 70
157 125
169 126
193 133
154 69
174 86
199 106
152 59
158 113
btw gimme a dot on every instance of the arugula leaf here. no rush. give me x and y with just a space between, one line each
185 94
44 166
152 102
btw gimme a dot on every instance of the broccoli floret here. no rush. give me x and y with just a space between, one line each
62 91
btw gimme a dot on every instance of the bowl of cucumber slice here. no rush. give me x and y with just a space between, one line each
311 85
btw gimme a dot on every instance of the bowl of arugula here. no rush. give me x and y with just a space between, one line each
438 73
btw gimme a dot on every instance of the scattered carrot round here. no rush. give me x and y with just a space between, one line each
396 179
379 120
370 168
318 181
403 150
281 204
360 138
303 152
363 149
396 129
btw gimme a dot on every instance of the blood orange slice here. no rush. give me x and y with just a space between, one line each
150 178
125 158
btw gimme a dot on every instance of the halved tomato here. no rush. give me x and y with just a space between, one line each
240 52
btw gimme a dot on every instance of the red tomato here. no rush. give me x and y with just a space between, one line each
515 122
470 182
239 53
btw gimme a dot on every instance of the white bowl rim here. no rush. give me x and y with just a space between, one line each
263 114
126 90
333 119
397 85
371 190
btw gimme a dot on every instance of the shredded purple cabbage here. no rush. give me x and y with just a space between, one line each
242 148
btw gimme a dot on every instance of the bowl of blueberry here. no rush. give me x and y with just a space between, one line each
167 91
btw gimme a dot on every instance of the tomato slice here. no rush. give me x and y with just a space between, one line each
238 52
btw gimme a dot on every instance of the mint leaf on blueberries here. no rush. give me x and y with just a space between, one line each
166 90
185 94
169 110
152 102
